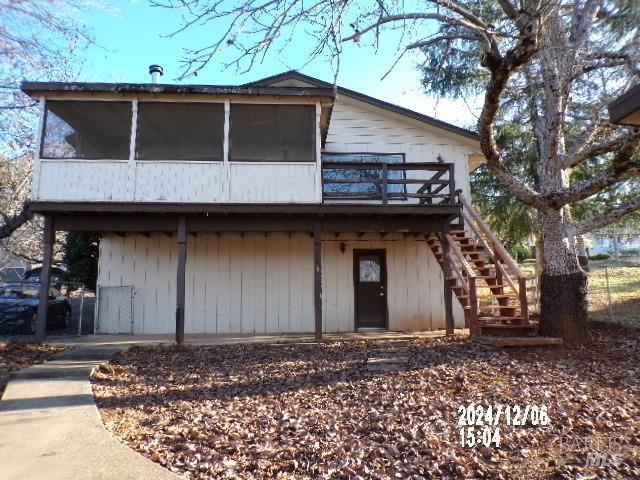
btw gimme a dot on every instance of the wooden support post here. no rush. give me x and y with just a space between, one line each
45 274
180 284
385 183
446 268
452 184
524 300
317 278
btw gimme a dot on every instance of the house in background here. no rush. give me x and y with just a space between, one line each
605 242
12 267
280 206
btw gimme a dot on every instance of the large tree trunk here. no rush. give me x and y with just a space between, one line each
583 258
563 285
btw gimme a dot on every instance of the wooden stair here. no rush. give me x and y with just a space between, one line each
487 282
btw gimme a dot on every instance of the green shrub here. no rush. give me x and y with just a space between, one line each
600 256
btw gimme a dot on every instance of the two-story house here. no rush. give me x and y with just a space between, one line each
281 206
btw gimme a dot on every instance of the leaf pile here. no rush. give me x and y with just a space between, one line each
18 355
319 410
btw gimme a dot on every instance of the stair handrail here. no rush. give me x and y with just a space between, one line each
494 257
472 291
456 270
499 255
504 255
453 245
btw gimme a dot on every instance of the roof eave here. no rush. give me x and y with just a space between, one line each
292 74
35 89
625 106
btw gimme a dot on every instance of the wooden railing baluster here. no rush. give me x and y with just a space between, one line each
385 184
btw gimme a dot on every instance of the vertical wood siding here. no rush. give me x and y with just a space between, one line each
77 180
178 182
264 284
272 182
361 128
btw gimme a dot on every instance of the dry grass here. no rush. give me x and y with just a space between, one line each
624 288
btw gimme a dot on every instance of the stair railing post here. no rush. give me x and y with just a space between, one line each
452 185
524 301
473 304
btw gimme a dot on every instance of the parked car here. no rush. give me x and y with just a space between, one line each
19 308
57 276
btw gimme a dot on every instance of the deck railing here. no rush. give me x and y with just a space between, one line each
423 183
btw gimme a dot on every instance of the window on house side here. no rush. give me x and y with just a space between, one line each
272 133
87 130
364 181
180 131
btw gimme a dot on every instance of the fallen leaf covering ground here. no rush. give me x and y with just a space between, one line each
17 355
375 409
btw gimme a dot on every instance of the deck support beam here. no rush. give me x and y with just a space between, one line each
317 278
48 239
446 269
180 284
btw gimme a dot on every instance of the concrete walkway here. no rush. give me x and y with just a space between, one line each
50 427
123 341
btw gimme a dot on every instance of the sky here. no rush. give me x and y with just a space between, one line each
131 34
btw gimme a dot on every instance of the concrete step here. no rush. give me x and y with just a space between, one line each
57 369
89 353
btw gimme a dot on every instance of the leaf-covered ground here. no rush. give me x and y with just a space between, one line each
386 409
18 355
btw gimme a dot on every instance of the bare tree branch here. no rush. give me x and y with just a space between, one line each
588 150
625 165
11 223
612 216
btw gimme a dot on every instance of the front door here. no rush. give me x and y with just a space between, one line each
370 277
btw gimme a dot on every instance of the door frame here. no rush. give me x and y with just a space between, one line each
383 278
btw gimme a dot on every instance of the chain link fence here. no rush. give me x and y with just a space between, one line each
613 290
70 310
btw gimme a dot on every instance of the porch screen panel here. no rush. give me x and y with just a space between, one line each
87 130
365 181
180 131
272 133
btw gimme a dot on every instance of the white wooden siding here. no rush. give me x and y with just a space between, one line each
179 182
264 284
82 180
257 182
361 128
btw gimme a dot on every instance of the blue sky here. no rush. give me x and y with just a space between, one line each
131 35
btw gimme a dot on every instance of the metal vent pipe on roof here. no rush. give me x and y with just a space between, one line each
156 72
